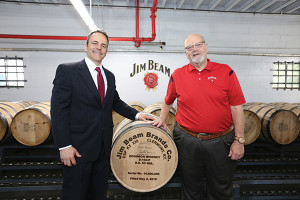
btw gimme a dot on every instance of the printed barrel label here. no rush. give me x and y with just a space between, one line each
144 158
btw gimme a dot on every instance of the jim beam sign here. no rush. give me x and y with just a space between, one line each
150 78
143 157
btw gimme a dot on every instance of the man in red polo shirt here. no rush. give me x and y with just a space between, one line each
209 128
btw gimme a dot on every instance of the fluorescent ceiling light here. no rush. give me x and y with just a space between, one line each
81 9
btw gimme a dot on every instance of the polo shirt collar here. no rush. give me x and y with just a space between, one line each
207 67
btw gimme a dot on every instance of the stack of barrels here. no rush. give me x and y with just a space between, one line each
28 122
272 122
7 112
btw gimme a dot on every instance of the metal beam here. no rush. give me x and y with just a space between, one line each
283 5
249 5
163 3
179 5
266 5
197 4
231 4
214 4
293 9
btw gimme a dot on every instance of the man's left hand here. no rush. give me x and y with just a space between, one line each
237 150
144 117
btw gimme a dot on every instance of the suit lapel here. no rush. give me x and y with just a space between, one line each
110 90
87 78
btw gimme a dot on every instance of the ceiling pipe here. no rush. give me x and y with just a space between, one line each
137 40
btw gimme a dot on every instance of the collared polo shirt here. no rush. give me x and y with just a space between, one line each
204 97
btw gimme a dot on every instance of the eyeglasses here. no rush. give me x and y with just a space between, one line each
197 45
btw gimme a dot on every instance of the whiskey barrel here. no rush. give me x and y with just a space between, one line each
32 126
155 109
7 111
26 104
139 106
288 106
252 126
279 126
143 157
252 104
295 109
117 118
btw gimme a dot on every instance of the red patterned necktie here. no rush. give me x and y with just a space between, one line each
101 86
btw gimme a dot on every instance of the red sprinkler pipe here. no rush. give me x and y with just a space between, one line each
137 23
43 37
137 40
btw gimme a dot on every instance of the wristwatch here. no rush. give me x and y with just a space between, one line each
240 139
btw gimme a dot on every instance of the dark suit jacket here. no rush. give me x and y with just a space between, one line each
77 116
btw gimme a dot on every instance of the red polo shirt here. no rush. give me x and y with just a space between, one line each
204 98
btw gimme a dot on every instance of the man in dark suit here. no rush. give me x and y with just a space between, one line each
82 120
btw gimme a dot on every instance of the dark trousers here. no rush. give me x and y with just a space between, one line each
86 181
205 159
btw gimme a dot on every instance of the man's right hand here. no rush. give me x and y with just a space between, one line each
67 156
159 122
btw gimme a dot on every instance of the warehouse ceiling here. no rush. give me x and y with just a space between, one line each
240 6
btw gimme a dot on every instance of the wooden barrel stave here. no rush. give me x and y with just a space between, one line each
252 126
7 111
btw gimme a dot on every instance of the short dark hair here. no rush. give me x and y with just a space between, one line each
97 31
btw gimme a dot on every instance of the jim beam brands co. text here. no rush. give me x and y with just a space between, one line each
166 154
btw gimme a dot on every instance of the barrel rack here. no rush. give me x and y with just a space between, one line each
267 171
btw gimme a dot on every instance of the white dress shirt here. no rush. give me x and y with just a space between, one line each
92 68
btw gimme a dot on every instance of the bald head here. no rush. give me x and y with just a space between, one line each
193 39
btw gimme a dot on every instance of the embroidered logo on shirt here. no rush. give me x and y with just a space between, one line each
212 79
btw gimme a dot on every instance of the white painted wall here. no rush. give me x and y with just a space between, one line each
226 34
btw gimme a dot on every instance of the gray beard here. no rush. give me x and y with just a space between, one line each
196 60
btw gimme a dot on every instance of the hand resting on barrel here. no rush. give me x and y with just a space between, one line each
144 117
159 122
